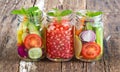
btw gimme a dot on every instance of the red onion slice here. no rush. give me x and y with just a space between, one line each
88 36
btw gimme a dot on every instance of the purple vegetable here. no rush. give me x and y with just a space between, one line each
88 36
22 51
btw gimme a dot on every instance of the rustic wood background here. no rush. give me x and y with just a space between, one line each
9 61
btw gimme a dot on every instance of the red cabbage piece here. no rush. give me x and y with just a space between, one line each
22 51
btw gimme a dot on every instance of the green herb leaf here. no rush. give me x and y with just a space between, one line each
92 14
33 9
20 12
50 13
65 12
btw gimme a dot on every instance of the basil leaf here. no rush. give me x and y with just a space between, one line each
92 14
65 12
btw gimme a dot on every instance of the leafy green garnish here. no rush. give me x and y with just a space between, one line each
65 12
30 12
33 14
58 13
92 13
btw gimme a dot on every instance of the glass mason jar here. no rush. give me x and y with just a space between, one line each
59 38
88 35
30 38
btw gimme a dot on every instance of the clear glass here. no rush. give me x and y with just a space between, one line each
30 38
59 38
88 36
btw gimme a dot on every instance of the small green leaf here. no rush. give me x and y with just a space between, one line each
51 14
65 12
92 14
33 9
18 12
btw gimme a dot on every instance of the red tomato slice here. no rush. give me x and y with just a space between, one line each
90 50
32 40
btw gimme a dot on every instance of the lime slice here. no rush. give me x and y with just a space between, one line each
35 53
78 46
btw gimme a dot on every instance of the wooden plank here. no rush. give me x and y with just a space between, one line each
9 61
104 5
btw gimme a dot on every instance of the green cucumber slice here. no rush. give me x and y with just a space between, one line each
33 29
35 53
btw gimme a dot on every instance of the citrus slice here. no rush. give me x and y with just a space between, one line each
78 46
35 53
19 37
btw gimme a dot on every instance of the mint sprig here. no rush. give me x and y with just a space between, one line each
30 12
90 13
93 14
59 13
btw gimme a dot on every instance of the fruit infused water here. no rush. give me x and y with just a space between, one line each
88 35
30 34
59 35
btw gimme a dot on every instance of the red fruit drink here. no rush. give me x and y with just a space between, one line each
60 40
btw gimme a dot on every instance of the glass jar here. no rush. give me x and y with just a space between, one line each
88 35
31 38
59 38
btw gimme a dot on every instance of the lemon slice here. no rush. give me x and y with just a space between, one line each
19 36
78 46
35 53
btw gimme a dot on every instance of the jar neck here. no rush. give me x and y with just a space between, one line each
51 19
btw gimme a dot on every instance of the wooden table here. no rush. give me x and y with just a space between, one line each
9 61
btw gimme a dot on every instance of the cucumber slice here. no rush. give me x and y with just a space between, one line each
35 53
33 29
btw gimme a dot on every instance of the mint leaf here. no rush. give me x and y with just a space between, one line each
19 12
32 9
65 12
92 14
51 14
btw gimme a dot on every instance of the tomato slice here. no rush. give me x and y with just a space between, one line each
32 40
90 50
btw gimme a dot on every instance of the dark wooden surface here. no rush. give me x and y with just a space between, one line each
9 61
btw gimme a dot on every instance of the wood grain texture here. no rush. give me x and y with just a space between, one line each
104 5
114 42
9 61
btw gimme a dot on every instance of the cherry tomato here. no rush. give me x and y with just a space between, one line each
90 50
32 40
